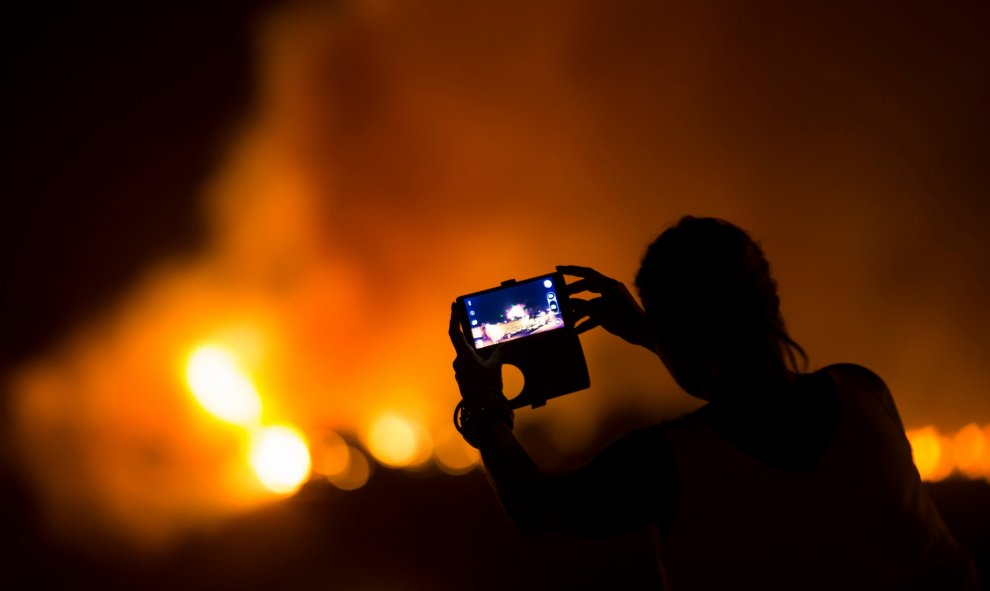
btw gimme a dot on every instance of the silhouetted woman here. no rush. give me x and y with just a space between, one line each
783 480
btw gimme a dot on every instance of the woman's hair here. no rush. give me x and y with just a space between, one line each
705 279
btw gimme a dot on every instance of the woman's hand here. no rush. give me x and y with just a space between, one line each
614 309
475 375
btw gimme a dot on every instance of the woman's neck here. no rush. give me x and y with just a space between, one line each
753 383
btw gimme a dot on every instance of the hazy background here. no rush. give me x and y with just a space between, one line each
311 184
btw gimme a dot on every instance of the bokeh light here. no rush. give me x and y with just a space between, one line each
221 387
925 449
343 465
985 461
357 473
453 455
931 452
968 449
280 458
336 460
398 442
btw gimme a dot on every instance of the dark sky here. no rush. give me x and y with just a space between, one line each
114 117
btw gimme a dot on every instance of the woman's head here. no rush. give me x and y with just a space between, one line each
708 291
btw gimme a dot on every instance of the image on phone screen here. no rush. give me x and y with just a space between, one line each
513 312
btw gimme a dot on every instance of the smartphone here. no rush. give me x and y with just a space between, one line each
530 323
514 310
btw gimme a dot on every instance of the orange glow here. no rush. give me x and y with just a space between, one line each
932 453
335 225
343 466
926 450
220 386
357 472
280 458
985 461
336 459
398 442
968 449
452 453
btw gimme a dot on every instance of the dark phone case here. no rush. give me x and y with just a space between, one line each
552 363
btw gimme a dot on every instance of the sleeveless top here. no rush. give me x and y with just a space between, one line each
859 519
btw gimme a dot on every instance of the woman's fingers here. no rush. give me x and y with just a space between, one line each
579 271
586 326
586 310
590 280
581 308
583 285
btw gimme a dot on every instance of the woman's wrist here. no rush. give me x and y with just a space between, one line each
475 415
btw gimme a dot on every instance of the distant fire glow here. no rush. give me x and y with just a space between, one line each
280 458
452 453
969 450
278 455
336 231
221 387
343 466
965 453
336 456
398 442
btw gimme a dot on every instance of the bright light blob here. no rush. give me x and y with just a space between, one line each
280 458
221 387
398 442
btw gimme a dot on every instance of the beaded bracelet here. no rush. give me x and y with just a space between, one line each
473 415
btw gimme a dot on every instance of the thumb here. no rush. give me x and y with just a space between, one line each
496 357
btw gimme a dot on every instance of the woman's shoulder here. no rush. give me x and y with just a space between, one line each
862 384
854 373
